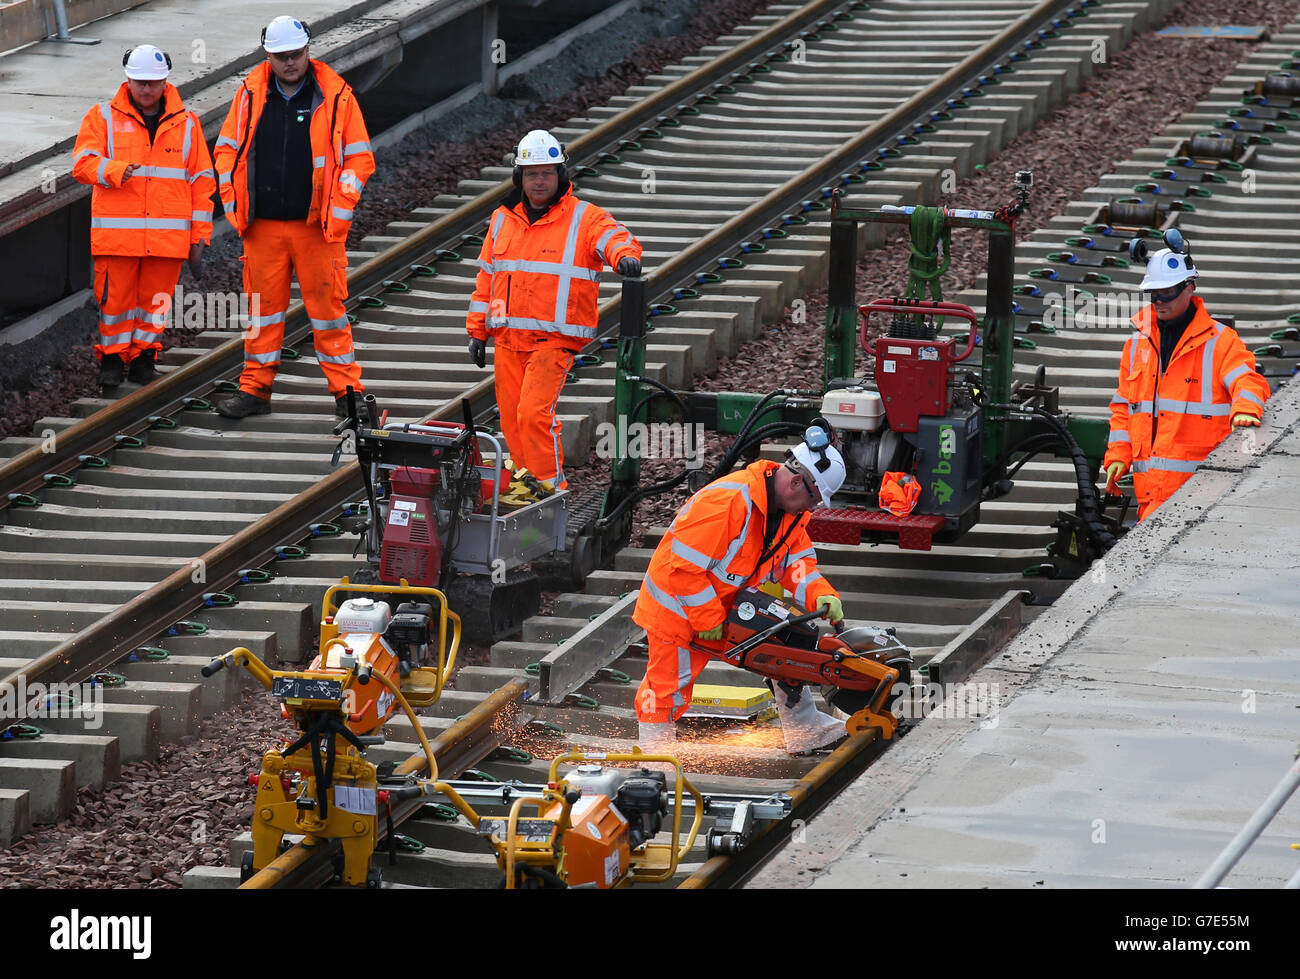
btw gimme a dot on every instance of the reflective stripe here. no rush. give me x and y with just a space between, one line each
143 224
477 307
544 326
352 148
1252 396
802 590
163 173
570 251
1119 436
800 556
690 554
260 321
676 605
486 267
86 153
100 177
1118 399
335 324
496 223
342 359
271 358
1165 465
317 162
201 216
1233 374
342 214
563 270
1142 408
683 676
201 173
148 335
1207 365
1193 408
227 141
348 180
107 113
115 339
223 179
115 318
185 143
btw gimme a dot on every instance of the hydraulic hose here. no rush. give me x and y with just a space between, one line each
1088 509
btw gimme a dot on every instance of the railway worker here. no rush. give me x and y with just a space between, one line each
1185 381
151 208
539 272
745 528
292 159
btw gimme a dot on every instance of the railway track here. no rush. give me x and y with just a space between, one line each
290 449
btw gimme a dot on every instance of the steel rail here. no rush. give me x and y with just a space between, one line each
139 619
95 435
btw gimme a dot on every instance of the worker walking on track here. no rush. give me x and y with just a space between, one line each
151 208
1185 381
742 530
292 159
538 282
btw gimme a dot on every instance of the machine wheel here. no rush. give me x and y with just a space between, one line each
246 866
374 879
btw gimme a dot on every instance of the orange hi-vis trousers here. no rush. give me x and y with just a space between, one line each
665 693
273 251
134 295
528 384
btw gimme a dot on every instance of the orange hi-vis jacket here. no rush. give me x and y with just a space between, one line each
166 205
342 161
541 281
713 549
1163 425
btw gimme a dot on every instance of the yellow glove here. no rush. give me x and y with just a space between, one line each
1243 420
1113 472
713 635
835 605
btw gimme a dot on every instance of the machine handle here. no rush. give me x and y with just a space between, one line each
371 739
915 307
363 673
410 792
214 667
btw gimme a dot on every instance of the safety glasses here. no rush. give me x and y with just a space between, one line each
801 482
287 56
1168 295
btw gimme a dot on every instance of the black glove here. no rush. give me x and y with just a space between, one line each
478 352
629 267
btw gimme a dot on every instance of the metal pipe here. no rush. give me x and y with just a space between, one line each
1250 832
60 21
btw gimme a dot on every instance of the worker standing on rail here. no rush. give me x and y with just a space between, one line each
538 282
292 159
739 531
1185 381
144 154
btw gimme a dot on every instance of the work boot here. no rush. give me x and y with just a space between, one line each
241 404
803 726
341 406
110 371
142 370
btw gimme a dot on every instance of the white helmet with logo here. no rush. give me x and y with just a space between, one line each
285 34
539 148
146 63
819 461
1167 268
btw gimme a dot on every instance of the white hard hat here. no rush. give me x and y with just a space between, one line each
285 34
146 63
538 148
1167 268
821 462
